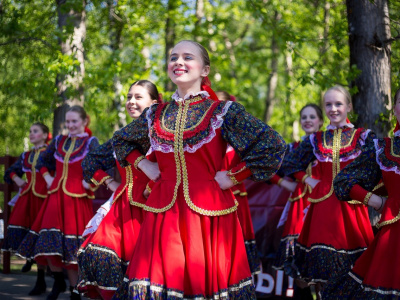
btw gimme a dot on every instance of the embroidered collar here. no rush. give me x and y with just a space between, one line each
332 127
397 133
85 134
176 97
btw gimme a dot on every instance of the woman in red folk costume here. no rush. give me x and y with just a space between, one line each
106 252
311 120
55 236
231 160
191 243
376 273
31 197
334 233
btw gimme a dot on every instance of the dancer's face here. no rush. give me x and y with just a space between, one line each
137 100
74 123
186 67
36 135
336 107
310 122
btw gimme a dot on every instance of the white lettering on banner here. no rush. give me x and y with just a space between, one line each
264 277
290 290
279 282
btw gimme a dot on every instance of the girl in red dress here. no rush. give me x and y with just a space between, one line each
376 274
334 233
32 193
55 236
191 243
311 120
106 252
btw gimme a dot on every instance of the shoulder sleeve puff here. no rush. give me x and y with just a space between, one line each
259 146
297 161
360 176
94 143
134 136
46 161
96 162
15 169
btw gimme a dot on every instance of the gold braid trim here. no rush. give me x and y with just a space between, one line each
298 197
97 183
378 186
236 192
280 181
388 222
235 182
303 180
148 188
367 197
137 161
337 138
45 173
243 194
33 181
181 170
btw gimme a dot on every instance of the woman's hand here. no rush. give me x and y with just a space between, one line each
223 180
312 182
151 169
288 185
146 193
19 181
377 202
85 184
49 180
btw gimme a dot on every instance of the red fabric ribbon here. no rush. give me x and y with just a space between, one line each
49 137
206 86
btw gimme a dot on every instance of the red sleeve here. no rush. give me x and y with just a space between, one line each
358 193
275 179
13 174
99 177
44 171
133 156
239 173
300 176
152 157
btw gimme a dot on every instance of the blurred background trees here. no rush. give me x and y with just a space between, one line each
274 56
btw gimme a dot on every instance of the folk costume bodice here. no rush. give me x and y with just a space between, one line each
65 155
189 137
26 163
101 159
379 160
333 149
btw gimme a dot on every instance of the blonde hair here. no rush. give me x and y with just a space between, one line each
342 90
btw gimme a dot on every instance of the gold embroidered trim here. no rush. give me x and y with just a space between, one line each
337 139
280 181
45 173
236 192
388 222
354 202
243 194
344 146
64 176
367 197
116 197
191 127
392 150
181 169
148 188
97 183
230 173
303 180
33 179
137 161
378 186
235 182
298 197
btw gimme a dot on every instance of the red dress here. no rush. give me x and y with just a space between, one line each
240 193
56 232
30 199
376 274
105 254
191 243
334 233
295 219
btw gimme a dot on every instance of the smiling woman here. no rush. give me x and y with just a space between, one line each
188 247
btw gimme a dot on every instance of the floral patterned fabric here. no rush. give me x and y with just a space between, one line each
100 158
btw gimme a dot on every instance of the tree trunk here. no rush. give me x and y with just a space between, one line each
116 27
368 32
169 38
270 100
70 87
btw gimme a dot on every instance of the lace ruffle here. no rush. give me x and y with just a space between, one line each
94 223
381 158
215 123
